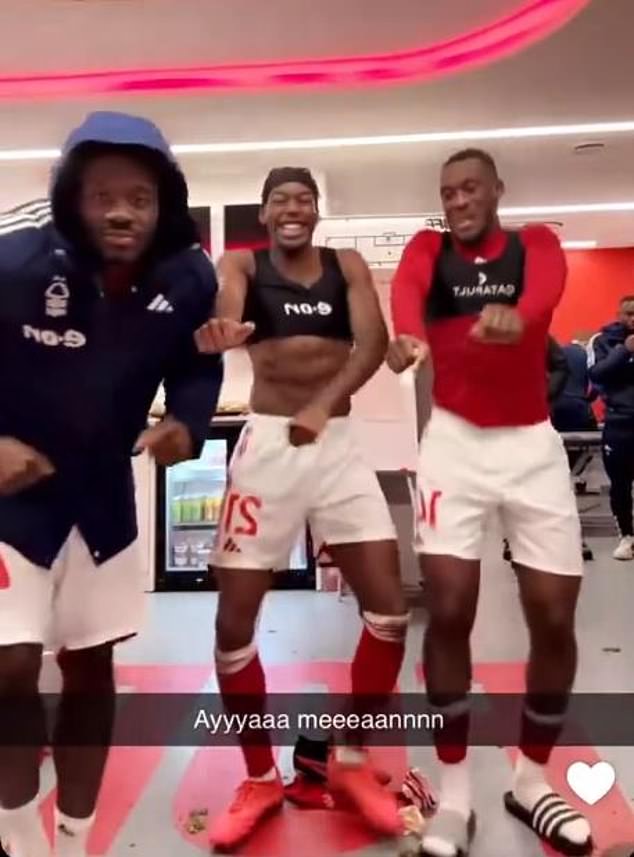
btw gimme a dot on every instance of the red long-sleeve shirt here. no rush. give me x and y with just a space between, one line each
488 385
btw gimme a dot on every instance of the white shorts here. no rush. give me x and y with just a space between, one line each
73 605
275 489
467 473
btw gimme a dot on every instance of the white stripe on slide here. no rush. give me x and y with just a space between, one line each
541 809
156 302
557 821
551 807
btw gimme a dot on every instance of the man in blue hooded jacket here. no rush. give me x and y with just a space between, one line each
101 290
612 370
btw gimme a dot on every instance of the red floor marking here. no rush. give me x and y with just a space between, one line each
209 784
130 769
311 833
168 678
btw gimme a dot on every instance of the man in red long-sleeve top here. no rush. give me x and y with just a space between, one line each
478 300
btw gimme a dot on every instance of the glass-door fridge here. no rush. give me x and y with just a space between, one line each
189 503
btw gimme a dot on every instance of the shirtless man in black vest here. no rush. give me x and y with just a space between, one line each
312 324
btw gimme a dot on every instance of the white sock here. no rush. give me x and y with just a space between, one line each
71 835
269 777
529 782
455 788
455 796
530 785
22 830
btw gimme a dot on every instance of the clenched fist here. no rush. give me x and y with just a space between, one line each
406 351
168 443
498 324
221 334
21 466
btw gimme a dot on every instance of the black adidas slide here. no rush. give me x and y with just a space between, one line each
452 828
548 816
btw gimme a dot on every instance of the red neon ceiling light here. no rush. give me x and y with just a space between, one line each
529 22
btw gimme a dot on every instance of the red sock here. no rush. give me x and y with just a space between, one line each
375 668
249 681
376 665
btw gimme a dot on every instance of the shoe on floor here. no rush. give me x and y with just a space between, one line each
310 759
548 819
358 783
587 552
308 794
253 802
625 549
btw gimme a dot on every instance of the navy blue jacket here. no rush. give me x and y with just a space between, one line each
612 370
578 383
79 371
571 410
557 369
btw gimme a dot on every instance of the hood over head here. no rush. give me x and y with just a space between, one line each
103 132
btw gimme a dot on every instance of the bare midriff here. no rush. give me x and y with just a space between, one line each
289 373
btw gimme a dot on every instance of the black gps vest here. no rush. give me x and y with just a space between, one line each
462 288
281 308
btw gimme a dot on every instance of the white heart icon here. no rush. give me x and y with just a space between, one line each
591 782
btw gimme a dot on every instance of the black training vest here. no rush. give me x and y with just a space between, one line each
462 288
280 308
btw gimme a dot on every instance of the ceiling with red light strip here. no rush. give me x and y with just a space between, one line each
77 48
409 66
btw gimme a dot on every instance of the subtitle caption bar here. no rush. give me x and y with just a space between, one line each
198 720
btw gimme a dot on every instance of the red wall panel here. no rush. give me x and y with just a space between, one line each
597 280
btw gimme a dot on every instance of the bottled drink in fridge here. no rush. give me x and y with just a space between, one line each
181 553
177 510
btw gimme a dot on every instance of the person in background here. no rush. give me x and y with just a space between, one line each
557 369
611 367
572 407
569 398
101 291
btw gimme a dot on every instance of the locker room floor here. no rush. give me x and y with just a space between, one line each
149 793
